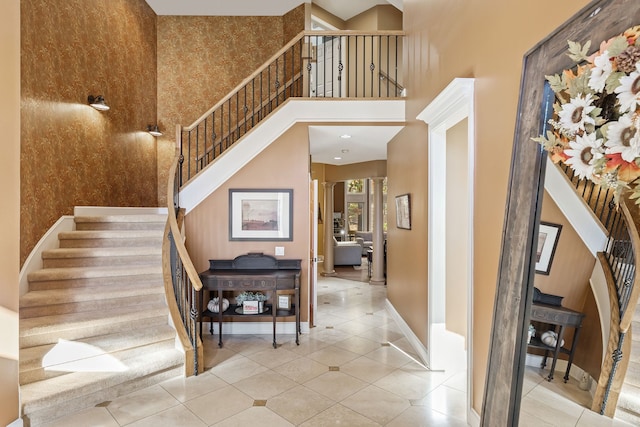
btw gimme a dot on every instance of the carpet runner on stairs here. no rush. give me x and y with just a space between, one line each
95 324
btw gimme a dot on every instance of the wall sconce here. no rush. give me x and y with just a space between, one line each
154 130
98 102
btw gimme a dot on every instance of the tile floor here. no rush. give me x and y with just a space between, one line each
353 369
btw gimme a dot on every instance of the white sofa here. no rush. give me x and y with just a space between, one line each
347 253
365 238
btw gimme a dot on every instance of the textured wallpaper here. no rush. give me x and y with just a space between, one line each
178 67
202 58
72 154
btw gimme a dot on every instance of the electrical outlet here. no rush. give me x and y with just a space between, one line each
279 250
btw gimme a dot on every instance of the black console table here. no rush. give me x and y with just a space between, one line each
252 272
560 317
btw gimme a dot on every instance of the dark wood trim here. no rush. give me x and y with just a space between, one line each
514 291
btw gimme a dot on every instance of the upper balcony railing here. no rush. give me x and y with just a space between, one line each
315 64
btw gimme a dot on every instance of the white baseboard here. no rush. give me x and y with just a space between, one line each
473 418
259 328
48 241
110 210
408 333
16 423
576 373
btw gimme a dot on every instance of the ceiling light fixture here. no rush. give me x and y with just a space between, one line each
345 150
98 102
154 130
345 136
337 158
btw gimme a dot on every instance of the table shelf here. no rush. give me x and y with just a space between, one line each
252 272
561 318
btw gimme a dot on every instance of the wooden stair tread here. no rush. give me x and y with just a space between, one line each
147 218
49 324
68 273
31 357
63 296
58 390
101 252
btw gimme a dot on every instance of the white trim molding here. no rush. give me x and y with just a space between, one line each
291 112
453 104
408 333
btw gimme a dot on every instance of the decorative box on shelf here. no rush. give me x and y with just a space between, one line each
251 307
284 302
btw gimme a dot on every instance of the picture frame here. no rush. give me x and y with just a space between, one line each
548 236
261 214
403 211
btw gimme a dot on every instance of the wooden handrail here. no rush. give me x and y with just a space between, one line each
263 104
632 225
173 224
174 311
281 52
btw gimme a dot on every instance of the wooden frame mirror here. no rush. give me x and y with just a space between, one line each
599 21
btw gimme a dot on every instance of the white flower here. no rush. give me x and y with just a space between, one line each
629 91
624 138
584 153
575 114
600 72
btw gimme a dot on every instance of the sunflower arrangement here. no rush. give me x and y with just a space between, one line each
595 128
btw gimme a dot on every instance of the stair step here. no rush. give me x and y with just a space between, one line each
49 329
76 273
629 400
131 279
97 257
110 238
65 301
121 222
633 373
48 361
44 401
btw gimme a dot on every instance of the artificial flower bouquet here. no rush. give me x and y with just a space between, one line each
595 128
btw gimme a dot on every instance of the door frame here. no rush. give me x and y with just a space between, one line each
453 104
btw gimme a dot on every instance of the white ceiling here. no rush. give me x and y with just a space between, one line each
344 9
368 142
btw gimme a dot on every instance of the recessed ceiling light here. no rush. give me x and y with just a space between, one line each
345 150
345 136
337 158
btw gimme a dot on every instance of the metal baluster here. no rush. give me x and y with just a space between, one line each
372 67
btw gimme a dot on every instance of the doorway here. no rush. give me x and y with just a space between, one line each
450 230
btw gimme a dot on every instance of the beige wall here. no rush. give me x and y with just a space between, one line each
207 226
485 39
457 229
10 213
378 18
72 154
327 17
569 277
376 168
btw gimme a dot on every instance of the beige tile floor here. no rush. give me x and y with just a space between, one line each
349 371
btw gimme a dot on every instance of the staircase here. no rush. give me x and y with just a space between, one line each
628 408
94 324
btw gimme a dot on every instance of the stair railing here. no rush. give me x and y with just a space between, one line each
315 64
620 258
184 279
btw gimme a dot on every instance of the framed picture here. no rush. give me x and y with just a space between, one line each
261 215
548 235
403 212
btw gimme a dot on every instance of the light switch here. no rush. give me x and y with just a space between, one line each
279 250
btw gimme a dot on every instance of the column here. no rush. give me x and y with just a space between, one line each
327 265
377 276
